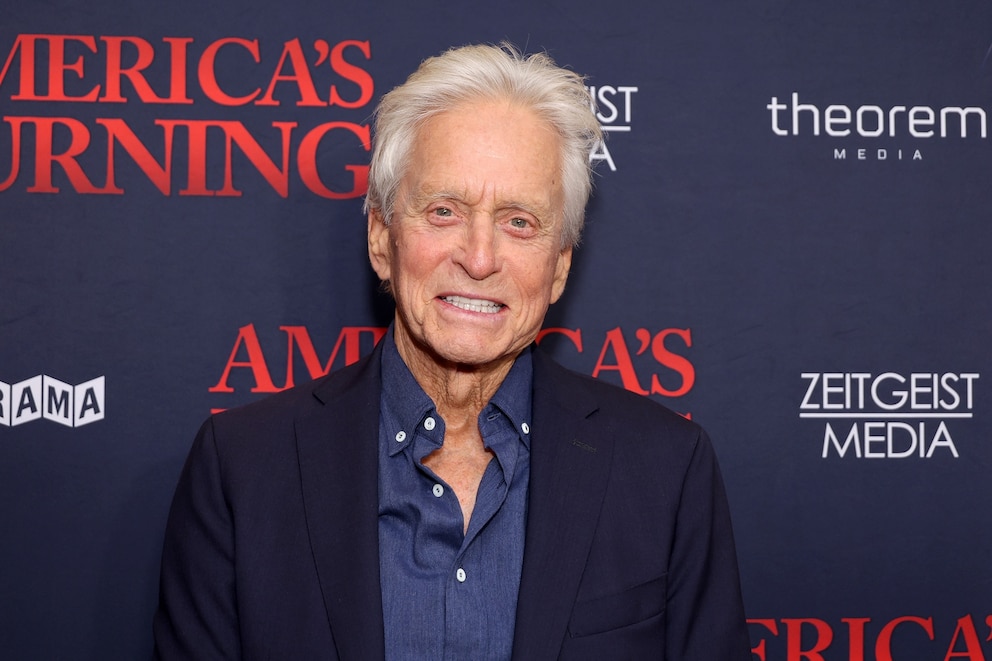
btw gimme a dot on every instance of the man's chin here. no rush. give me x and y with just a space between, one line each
472 358
459 348
472 354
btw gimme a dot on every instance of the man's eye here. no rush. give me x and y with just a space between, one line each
519 223
443 211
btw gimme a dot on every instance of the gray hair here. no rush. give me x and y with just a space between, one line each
470 73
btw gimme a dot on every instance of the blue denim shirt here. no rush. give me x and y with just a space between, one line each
448 594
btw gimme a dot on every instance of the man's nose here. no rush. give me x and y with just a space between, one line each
479 253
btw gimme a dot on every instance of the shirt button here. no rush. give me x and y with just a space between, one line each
429 424
525 428
400 436
438 490
460 575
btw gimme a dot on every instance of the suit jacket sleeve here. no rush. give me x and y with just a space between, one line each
271 547
705 612
197 615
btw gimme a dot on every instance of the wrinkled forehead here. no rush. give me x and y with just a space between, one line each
491 152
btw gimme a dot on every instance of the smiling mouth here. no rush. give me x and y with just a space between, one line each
473 304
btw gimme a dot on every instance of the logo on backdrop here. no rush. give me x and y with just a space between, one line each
202 118
888 415
873 132
648 362
44 397
191 118
799 639
612 104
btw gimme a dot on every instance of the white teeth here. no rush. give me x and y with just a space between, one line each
473 304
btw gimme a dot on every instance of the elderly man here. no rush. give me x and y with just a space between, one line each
457 495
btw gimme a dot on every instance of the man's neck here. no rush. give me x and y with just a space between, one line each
459 392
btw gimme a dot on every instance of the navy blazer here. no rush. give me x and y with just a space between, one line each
271 548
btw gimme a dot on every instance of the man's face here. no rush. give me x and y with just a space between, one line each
473 253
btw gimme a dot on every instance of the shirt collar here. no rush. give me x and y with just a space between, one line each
513 398
409 405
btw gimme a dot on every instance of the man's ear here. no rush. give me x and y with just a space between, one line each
562 267
379 253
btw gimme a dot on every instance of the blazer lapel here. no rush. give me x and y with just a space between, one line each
569 473
337 445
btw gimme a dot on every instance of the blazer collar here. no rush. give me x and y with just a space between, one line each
569 472
337 445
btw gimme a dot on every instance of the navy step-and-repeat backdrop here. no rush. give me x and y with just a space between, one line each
788 242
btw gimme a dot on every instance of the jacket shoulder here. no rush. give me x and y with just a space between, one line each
274 416
599 399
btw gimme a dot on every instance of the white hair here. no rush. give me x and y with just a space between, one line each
471 73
